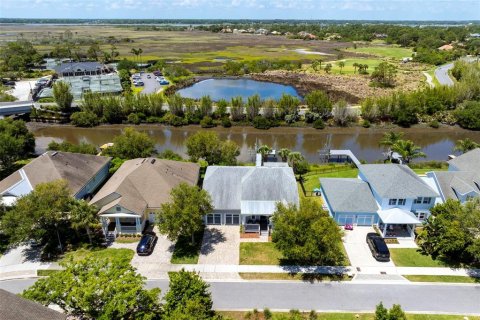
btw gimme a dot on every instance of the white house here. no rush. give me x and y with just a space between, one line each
391 196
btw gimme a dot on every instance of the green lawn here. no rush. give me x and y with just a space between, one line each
423 171
384 51
452 279
239 315
311 180
114 254
411 257
349 68
290 276
184 252
259 253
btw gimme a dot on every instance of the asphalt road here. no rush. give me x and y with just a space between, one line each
151 85
347 296
442 75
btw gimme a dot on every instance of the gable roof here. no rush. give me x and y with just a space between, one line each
144 182
454 183
230 186
469 161
77 169
14 307
396 181
88 66
348 195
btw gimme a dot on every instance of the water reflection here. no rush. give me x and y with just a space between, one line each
437 144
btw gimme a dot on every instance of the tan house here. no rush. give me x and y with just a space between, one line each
446 47
137 190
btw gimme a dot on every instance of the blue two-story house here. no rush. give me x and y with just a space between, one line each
391 196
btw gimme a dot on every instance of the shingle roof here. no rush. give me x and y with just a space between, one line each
462 182
13 307
145 182
78 66
469 161
396 181
229 186
77 169
348 195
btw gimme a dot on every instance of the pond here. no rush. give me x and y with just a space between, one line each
436 143
228 88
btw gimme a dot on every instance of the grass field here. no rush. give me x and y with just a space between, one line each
423 171
411 257
311 180
386 51
109 253
259 253
290 276
449 279
238 315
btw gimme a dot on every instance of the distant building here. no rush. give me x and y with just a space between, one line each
380 35
104 83
475 35
446 47
74 69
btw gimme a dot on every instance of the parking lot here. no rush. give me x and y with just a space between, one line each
358 251
151 85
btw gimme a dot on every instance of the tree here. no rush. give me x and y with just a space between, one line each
183 215
328 68
307 235
170 155
396 313
468 115
19 55
65 146
254 103
83 216
40 214
16 142
288 104
264 151
205 106
466 145
294 159
355 66
317 64
137 52
408 150
341 65
390 138
94 51
319 102
341 113
384 75
85 119
208 146
284 153
221 110
237 108
131 144
188 298
381 313
98 288
62 95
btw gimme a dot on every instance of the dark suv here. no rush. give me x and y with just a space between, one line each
378 247
146 244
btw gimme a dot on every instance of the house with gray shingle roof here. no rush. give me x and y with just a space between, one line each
137 190
391 196
84 173
462 180
15 307
244 195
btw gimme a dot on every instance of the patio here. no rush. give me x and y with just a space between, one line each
121 223
397 223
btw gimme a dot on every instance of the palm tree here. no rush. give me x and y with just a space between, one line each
264 151
283 153
341 64
390 138
84 215
294 158
466 145
355 66
136 52
408 150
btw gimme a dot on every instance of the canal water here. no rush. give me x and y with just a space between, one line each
228 88
436 143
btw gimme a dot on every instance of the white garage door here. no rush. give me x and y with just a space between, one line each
364 220
343 220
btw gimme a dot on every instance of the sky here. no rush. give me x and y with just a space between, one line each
244 9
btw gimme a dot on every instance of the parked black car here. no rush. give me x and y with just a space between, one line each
378 247
146 244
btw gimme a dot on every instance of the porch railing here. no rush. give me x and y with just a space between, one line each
127 229
252 228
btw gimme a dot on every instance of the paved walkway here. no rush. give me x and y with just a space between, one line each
403 243
358 251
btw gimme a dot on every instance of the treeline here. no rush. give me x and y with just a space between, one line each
456 104
258 66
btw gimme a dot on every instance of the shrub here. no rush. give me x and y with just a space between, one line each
207 122
260 122
169 155
434 124
133 118
226 123
366 124
311 116
290 118
319 124
84 119
173 120
468 116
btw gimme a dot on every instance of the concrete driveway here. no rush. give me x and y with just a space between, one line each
358 251
221 245
22 260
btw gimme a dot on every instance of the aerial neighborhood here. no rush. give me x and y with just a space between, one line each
240 169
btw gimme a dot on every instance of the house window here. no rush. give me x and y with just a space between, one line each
418 200
401 202
232 219
420 215
426 200
214 218
392 202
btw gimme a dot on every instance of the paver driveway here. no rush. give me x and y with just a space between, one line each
221 245
358 251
